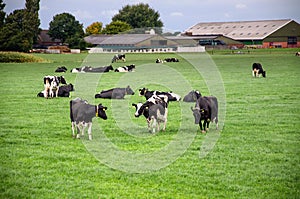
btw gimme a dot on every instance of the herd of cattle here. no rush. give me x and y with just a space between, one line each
154 109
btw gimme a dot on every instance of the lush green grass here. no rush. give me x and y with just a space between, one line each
256 155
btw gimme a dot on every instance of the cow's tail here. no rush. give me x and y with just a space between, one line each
71 112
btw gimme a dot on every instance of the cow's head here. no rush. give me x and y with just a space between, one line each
197 114
142 91
62 80
129 91
263 73
138 111
100 111
110 68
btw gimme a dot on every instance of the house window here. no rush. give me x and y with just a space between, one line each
292 40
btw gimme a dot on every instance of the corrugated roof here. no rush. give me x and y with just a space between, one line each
126 39
96 39
241 30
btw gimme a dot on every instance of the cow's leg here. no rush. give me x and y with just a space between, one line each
56 92
253 75
165 124
200 124
73 129
207 125
90 130
153 120
78 130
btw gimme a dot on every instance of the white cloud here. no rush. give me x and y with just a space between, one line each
176 14
82 14
240 6
109 13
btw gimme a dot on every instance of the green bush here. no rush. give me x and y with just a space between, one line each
17 57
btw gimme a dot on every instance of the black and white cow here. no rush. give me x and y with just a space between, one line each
81 115
173 59
63 91
51 85
257 69
118 57
171 96
155 110
61 69
206 110
192 96
159 61
124 69
89 69
297 54
115 93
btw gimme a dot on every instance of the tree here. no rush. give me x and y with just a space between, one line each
20 28
116 27
2 13
64 26
139 16
94 28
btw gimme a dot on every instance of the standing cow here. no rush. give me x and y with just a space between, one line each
81 115
206 111
51 85
118 57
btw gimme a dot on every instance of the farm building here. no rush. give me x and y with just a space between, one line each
140 43
265 34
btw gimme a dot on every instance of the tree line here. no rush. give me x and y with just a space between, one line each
19 30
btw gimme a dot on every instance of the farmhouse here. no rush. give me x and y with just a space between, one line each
283 33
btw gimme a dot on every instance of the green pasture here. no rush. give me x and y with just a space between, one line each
255 153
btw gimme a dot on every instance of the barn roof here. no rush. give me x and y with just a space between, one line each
240 30
126 39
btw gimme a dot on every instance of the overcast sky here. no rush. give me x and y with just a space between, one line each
177 15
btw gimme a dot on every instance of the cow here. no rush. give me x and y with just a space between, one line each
192 96
81 115
63 91
206 110
89 69
51 85
125 69
173 59
297 54
115 93
61 69
171 96
257 70
158 61
118 57
155 110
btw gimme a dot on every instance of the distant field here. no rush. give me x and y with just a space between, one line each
254 155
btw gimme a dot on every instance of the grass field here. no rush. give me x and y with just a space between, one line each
255 154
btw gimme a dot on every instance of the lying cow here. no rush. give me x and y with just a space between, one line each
51 85
118 57
173 59
192 96
89 69
61 69
257 70
155 110
124 69
171 96
159 61
63 91
115 93
81 115
206 110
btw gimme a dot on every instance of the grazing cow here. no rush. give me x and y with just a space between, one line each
51 85
63 91
82 113
173 59
155 110
115 93
125 69
118 57
206 110
257 70
192 96
171 96
89 69
297 54
61 69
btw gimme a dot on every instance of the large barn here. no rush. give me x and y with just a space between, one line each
265 34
